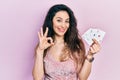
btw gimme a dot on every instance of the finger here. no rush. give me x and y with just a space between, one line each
95 47
50 43
50 40
41 31
39 35
95 41
91 50
46 32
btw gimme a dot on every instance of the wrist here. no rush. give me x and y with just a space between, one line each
41 48
39 51
90 58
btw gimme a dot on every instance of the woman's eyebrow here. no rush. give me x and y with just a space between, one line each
67 18
61 18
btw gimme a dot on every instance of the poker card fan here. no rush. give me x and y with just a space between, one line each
93 33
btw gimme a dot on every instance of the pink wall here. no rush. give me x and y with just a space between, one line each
21 19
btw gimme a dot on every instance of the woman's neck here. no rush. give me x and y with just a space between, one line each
59 39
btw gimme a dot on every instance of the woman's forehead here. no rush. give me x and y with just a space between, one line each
62 15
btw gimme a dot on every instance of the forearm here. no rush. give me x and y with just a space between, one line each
38 69
86 69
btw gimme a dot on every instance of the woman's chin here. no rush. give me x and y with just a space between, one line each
60 34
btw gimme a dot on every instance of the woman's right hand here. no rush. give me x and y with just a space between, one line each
44 41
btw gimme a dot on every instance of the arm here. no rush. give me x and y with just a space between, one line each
87 65
38 69
86 68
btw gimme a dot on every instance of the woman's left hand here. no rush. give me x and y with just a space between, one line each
94 48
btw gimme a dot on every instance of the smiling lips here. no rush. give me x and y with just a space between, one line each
61 30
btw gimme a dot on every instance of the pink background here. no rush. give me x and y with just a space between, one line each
20 20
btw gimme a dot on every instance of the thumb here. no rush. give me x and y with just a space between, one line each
51 44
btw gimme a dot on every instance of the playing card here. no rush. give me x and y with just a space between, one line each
93 34
87 36
99 35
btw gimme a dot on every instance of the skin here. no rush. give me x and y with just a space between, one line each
60 26
61 23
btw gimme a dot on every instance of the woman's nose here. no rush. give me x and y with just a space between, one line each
63 24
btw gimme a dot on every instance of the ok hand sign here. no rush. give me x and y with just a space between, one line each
44 41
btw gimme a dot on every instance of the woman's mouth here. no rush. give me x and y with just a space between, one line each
61 30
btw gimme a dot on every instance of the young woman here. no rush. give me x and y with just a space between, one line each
60 54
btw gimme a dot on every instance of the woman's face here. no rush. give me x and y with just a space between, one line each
61 23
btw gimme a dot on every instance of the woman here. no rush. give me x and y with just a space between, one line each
60 54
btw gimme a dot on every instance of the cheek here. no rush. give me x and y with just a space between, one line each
55 24
67 26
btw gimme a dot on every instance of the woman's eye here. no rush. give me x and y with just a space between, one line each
67 21
59 20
